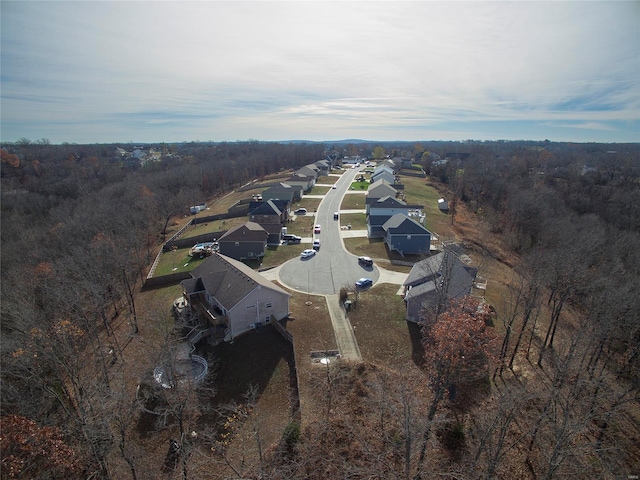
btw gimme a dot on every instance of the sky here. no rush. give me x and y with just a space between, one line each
170 71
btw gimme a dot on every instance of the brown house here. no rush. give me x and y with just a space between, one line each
244 242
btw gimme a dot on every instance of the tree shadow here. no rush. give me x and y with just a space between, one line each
417 349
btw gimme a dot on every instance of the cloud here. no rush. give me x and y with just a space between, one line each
280 70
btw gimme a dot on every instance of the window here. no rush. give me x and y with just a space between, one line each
267 319
268 305
237 244
408 237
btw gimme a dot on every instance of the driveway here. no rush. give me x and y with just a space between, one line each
333 267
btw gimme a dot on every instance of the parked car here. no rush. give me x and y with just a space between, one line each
301 211
364 283
334 186
365 261
316 229
316 244
292 239
307 253
336 215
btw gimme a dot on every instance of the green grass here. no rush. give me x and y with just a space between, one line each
278 255
176 259
352 202
360 186
419 193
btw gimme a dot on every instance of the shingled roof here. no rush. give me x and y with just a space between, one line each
227 280
247 232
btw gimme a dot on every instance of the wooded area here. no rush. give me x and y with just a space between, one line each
552 391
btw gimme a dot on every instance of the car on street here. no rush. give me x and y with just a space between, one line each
300 211
334 186
336 215
364 283
316 244
307 253
316 229
365 261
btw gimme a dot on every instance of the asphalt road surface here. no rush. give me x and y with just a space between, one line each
332 267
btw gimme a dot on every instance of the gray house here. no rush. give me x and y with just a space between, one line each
435 280
378 190
283 191
382 210
230 299
406 236
244 242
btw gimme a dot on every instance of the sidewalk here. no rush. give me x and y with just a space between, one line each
342 329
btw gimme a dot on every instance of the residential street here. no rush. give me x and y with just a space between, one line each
333 267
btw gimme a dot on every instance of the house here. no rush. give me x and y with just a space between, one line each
383 173
244 242
389 164
300 180
403 162
309 170
378 190
324 167
382 210
230 299
406 236
271 218
282 191
435 280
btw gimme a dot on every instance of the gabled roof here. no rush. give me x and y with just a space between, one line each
388 201
383 168
227 280
401 224
247 232
279 187
310 170
322 164
266 208
381 188
446 264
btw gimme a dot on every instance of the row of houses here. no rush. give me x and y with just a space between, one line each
395 221
228 297
269 213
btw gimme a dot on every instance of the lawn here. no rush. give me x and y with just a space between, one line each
176 261
318 190
214 226
311 204
419 193
353 201
277 255
302 226
383 335
377 249
360 185
358 221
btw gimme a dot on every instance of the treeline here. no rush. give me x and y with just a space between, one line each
79 226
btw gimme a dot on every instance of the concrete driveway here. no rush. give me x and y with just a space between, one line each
332 267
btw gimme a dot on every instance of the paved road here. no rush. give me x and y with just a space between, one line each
332 267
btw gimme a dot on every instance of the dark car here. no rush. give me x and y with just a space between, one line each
365 261
364 283
291 239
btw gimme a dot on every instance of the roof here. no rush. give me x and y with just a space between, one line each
437 268
248 232
381 188
227 280
404 225
392 202
266 208
279 187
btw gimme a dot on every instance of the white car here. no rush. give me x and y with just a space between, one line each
334 186
317 229
316 244
307 253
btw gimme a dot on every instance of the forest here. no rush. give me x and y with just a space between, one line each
553 395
